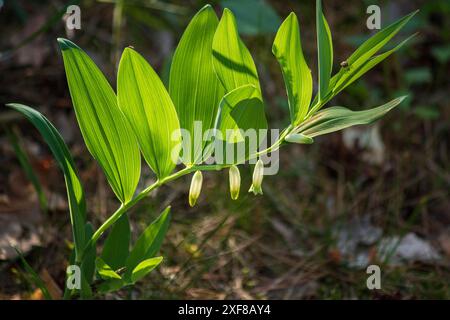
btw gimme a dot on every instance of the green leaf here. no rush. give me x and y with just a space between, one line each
75 192
193 85
377 41
143 268
105 271
105 130
149 242
324 51
232 61
116 248
241 109
287 49
148 107
338 118
341 81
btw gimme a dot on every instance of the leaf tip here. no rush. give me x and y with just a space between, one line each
65 44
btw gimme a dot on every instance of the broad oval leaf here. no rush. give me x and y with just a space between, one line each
148 107
338 118
193 85
75 192
106 132
324 51
287 49
238 127
232 61
241 109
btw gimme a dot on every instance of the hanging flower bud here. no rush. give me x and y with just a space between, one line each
196 188
258 174
235 182
299 138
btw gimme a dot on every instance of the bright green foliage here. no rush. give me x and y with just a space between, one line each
338 118
213 79
324 51
149 242
105 130
242 107
193 85
147 105
287 49
233 62
144 267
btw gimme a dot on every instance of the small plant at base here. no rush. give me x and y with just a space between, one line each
217 84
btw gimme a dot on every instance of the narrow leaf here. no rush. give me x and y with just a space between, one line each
144 268
193 85
75 192
287 49
324 51
148 107
105 130
338 118
377 41
341 81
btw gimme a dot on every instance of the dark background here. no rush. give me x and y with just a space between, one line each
369 195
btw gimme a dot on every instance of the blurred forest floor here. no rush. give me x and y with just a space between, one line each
371 195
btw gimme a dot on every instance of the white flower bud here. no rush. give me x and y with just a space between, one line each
196 188
235 182
258 175
298 138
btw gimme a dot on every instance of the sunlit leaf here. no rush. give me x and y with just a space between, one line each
105 271
287 49
233 62
377 41
148 107
324 51
105 130
143 268
193 85
338 118
241 109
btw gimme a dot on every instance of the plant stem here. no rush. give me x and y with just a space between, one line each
189 169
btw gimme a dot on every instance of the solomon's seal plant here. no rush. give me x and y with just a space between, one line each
213 81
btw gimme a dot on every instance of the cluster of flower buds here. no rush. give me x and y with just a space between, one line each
235 182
